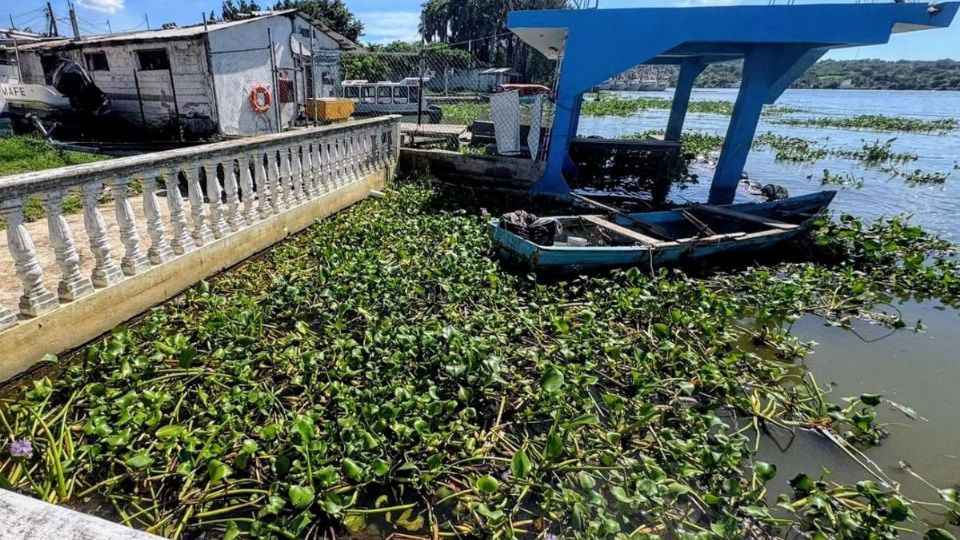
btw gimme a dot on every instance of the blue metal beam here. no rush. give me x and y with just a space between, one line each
689 70
778 42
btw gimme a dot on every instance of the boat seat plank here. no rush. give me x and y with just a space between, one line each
623 231
726 212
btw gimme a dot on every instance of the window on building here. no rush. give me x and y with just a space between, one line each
97 61
153 60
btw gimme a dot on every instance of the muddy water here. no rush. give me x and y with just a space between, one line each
917 370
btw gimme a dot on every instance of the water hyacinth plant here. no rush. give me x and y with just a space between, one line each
876 122
382 372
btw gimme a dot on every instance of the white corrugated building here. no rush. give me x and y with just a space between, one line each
198 79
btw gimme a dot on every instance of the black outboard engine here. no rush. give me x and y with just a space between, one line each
73 82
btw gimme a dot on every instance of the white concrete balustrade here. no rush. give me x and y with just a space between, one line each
187 199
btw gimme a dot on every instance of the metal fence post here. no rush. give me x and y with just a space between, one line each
273 77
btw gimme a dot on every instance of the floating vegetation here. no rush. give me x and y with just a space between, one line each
615 106
918 177
792 149
381 372
876 122
844 180
696 143
877 153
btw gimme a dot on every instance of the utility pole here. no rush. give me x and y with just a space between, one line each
146 19
74 23
12 26
53 21
109 30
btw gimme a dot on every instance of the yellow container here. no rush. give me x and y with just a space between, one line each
329 109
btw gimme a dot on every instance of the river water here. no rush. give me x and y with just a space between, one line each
933 207
917 370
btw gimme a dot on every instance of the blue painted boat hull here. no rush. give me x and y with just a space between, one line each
568 259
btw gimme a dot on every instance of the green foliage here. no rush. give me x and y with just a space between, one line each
876 122
870 73
398 60
230 11
333 13
382 371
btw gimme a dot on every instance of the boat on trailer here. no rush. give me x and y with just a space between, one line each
653 239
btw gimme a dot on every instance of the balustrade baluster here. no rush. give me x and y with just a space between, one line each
323 158
73 284
232 210
133 261
201 233
353 157
159 251
8 319
278 187
342 162
303 179
288 155
329 165
312 167
246 185
105 270
36 299
181 241
218 223
381 148
266 190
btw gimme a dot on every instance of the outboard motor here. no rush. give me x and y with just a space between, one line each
73 82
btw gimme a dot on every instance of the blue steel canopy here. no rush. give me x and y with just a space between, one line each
777 44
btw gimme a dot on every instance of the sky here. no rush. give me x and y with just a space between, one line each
390 20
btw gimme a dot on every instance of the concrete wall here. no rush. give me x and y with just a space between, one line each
471 170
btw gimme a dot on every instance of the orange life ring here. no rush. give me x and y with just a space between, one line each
260 99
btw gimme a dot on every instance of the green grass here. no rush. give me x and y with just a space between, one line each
29 154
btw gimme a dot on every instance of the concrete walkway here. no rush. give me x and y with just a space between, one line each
25 518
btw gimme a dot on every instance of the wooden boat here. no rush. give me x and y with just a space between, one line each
686 234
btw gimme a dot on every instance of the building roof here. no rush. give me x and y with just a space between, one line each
179 32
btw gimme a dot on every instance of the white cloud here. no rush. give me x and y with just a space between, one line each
388 26
104 6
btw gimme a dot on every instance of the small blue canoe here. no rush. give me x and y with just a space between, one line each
654 239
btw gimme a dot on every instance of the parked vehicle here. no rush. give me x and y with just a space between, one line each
386 97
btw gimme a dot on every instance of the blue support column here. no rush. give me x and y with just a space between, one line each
565 123
689 70
764 67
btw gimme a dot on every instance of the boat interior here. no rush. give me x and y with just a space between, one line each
700 223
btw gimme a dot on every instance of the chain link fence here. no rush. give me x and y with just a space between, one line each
435 86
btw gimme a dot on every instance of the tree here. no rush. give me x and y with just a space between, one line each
231 11
333 13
